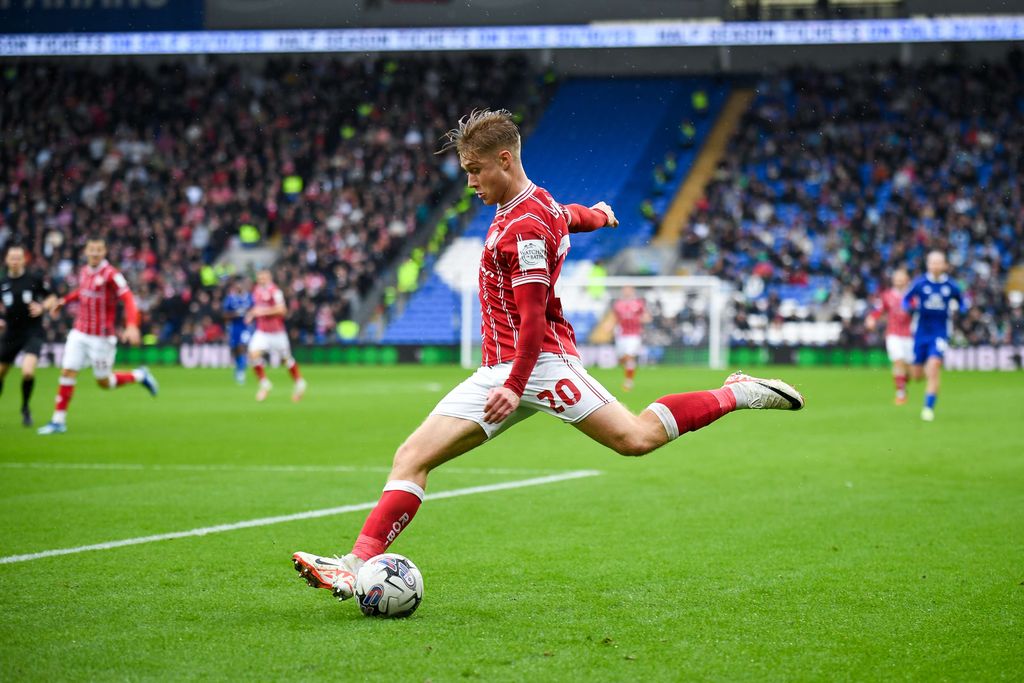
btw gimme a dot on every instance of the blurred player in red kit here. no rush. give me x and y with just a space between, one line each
630 317
268 310
93 341
899 339
530 362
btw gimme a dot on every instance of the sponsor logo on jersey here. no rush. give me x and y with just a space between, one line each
532 255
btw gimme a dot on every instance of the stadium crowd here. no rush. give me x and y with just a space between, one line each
330 161
837 178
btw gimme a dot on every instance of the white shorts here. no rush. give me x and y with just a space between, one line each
270 342
558 385
629 345
899 348
83 350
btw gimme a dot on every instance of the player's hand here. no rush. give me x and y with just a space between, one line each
35 309
603 207
501 402
130 335
870 324
55 309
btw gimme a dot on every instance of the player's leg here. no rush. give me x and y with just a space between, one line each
258 347
28 382
897 351
899 378
76 356
9 347
671 416
932 369
629 370
455 426
284 347
439 439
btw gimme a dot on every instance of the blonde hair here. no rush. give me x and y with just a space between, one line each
484 131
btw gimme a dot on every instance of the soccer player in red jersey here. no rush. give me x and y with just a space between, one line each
268 310
899 340
631 314
530 362
93 341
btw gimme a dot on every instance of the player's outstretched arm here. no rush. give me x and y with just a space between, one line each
131 318
531 300
588 219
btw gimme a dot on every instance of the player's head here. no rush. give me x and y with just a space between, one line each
489 147
15 260
900 278
936 263
95 250
628 292
263 277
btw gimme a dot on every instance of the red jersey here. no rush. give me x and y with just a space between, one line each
629 314
527 242
890 304
98 290
268 296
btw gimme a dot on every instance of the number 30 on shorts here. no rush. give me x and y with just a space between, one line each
566 391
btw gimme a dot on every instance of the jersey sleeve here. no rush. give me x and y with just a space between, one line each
119 283
278 297
530 251
912 295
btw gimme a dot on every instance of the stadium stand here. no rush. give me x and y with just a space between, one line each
837 178
582 151
328 161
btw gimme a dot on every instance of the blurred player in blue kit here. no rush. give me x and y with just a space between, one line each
931 299
237 303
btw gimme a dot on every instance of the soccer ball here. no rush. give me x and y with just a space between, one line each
390 586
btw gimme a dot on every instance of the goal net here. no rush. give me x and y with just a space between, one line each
689 319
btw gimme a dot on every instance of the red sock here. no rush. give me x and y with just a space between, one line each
901 382
293 369
681 413
396 508
260 372
123 378
64 392
630 372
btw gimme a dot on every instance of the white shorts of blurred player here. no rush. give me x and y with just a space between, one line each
83 350
628 345
899 348
273 343
559 386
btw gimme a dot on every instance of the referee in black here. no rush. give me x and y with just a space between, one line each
24 297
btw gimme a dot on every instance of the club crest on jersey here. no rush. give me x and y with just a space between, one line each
532 255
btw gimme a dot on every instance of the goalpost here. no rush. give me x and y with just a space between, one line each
691 319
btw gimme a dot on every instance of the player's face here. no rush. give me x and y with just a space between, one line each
263 278
900 279
15 261
95 252
489 175
936 264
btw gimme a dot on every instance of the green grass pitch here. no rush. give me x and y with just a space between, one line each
847 542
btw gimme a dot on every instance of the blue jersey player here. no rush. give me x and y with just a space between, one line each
237 302
931 298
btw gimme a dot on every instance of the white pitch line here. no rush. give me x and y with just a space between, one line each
138 467
311 514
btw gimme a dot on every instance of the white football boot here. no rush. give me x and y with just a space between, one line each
265 387
299 391
763 394
928 414
336 574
